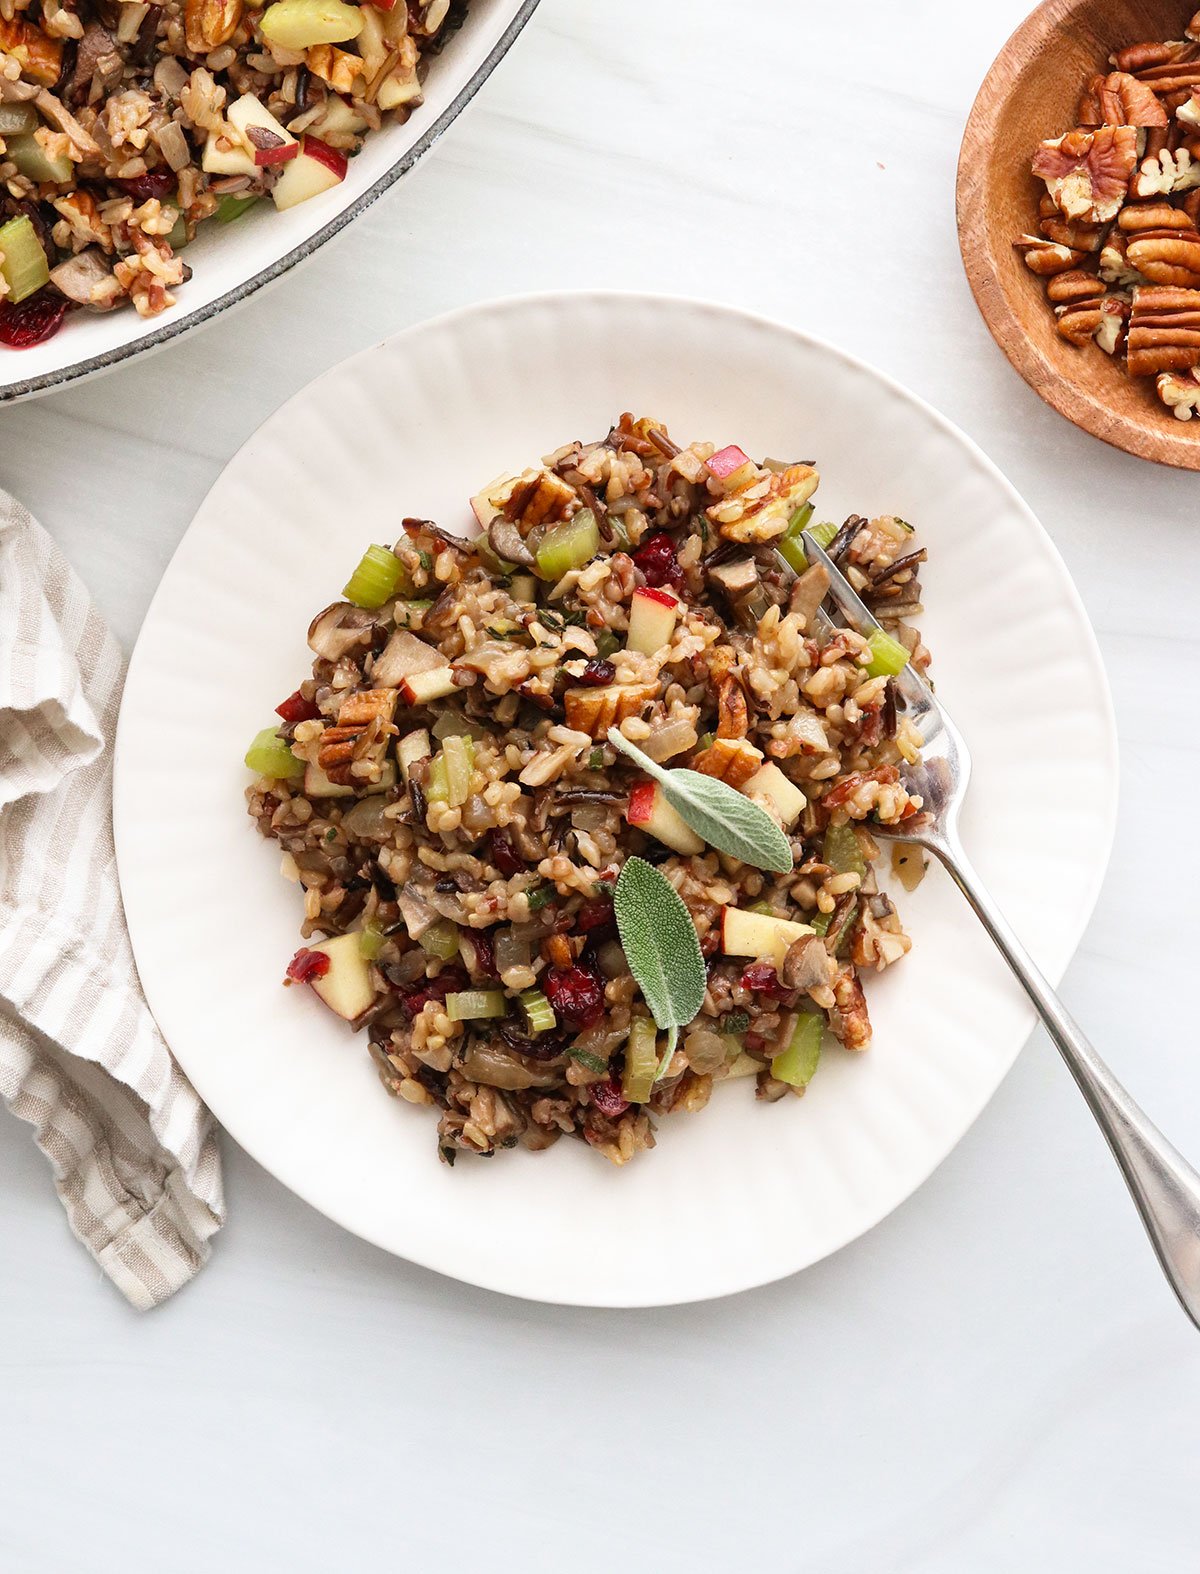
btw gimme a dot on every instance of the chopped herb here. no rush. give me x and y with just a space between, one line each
735 1022
596 760
607 643
425 560
575 618
586 1058
499 633
604 888
331 834
539 896
550 620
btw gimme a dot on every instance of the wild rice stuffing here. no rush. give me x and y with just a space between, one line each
445 796
124 126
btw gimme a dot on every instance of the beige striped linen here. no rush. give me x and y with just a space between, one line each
133 1151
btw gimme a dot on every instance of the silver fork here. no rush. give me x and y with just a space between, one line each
1164 1186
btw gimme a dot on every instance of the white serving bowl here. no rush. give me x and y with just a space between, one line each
230 262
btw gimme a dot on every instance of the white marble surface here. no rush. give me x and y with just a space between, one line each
994 1378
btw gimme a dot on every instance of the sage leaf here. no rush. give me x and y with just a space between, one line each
660 945
720 815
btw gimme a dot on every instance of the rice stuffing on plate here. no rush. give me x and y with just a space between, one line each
446 795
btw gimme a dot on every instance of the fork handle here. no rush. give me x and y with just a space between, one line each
1164 1186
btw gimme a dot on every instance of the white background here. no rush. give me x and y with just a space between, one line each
996 1378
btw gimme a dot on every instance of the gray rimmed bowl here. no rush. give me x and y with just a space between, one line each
230 262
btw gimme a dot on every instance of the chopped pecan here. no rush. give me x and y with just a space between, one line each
344 72
760 511
733 716
1167 172
1114 261
38 56
209 23
848 1019
353 751
1090 113
539 497
1164 330
1188 112
1192 30
1124 101
1044 257
594 711
1087 172
1114 324
1181 395
731 760
1080 237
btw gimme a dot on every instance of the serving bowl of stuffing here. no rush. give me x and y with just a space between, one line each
572 777
160 163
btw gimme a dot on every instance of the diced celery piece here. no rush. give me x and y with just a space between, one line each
270 756
799 519
791 547
842 852
888 655
16 119
471 1005
824 533
178 238
32 160
376 579
437 789
370 941
523 587
230 208
22 259
459 755
569 545
539 1014
820 923
641 1061
792 553
765 908
796 1063
440 940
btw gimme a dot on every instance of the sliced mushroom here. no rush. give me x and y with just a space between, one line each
340 629
57 113
807 964
169 77
737 577
78 277
507 543
416 912
808 593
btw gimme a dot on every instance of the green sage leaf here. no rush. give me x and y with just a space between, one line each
660 945
723 817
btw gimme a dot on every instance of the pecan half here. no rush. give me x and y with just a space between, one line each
1074 287
1180 74
733 717
760 511
1164 330
1114 324
1080 237
1181 395
353 751
1167 172
209 23
1114 261
732 760
38 56
1167 256
1090 113
1044 257
1087 172
594 711
1124 101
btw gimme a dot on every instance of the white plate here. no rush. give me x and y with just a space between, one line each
232 261
741 1194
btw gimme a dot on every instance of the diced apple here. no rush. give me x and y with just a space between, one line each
402 657
486 504
650 812
316 168
770 782
411 748
223 157
271 141
732 468
759 935
652 615
318 785
423 687
346 988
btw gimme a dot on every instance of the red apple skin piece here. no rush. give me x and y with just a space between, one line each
726 461
641 803
280 155
324 154
663 597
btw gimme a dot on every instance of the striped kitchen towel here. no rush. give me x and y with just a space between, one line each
133 1150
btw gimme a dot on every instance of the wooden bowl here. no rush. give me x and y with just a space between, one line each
1031 92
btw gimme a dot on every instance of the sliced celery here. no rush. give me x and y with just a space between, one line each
440 940
270 756
32 160
569 545
459 755
799 520
178 238
796 1063
22 259
376 579
470 1005
437 789
820 923
791 547
230 208
824 533
888 656
370 942
792 553
641 1061
842 852
539 1014
523 587
765 908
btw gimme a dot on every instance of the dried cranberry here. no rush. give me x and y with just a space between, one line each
297 708
762 979
307 965
480 955
576 995
447 981
596 914
596 674
158 183
504 855
31 321
608 1098
656 559
754 1040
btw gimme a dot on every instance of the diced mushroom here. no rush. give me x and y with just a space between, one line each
415 910
340 629
78 277
173 145
808 593
735 578
807 964
169 77
507 542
